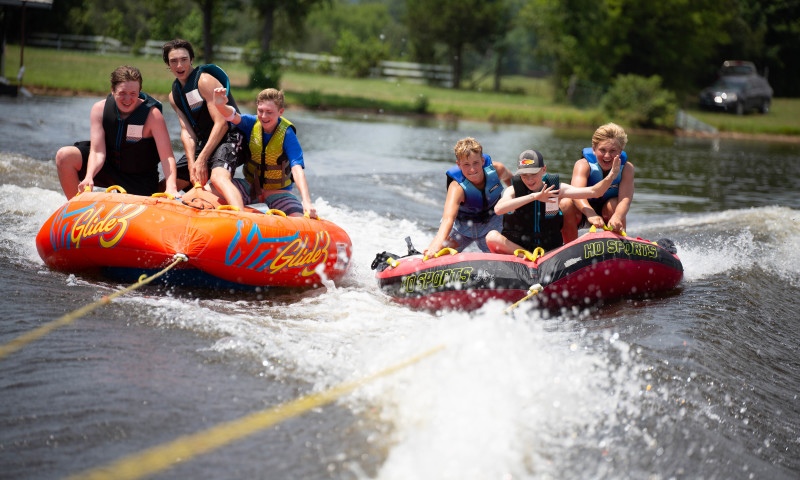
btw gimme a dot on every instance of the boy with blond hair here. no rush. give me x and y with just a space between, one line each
276 158
611 208
474 186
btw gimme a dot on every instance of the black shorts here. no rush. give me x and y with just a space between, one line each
597 206
229 154
528 243
135 183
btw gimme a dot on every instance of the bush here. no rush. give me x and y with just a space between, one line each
359 57
640 102
313 100
421 104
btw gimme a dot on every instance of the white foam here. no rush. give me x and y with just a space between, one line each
502 397
506 397
713 243
25 210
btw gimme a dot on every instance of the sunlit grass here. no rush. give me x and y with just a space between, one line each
521 100
783 119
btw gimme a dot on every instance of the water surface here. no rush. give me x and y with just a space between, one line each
700 383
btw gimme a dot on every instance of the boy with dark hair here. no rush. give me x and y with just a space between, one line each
209 141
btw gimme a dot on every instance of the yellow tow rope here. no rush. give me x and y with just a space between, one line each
534 289
39 332
182 449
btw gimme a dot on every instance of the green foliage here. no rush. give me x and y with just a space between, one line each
313 100
595 40
116 27
365 19
266 72
768 33
190 28
252 53
456 24
640 102
683 42
674 39
359 56
583 39
421 104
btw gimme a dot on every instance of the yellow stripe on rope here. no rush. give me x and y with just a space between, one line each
534 289
161 457
40 332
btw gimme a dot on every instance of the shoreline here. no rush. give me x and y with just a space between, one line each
725 135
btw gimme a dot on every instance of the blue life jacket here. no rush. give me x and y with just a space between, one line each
596 174
478 205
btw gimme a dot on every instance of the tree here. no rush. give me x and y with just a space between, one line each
593 41
674 39
570 38
455 24
266 71
207 8
368 21
214 20
767 33
295 11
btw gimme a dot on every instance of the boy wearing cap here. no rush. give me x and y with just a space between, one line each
530 206
474 186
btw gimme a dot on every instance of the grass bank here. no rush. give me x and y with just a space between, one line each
68 72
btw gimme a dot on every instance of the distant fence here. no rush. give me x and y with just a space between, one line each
415 72
78 42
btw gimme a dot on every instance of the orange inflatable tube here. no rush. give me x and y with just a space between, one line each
94 230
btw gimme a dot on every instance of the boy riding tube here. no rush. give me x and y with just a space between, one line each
474 186
611 208
209 141
530 206
128 138
276 158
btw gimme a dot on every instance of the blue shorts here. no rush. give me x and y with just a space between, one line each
465 232
284 201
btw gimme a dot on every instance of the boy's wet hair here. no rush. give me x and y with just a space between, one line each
610 131
271 95
465 146
125 73
174 45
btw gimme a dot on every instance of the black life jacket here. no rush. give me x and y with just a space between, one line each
193 104
532 221
125 146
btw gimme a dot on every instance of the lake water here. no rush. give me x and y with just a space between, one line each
702 383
